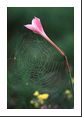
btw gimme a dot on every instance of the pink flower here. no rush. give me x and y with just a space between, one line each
36 27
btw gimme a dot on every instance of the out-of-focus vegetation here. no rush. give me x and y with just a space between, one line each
22 49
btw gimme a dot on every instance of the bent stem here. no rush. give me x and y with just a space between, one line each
67 64
63 54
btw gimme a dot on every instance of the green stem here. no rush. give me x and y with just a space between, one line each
69 73
62 54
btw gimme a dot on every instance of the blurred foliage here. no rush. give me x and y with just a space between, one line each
23 45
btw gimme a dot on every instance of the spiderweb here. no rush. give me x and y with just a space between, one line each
39 66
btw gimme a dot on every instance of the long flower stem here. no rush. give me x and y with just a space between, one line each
63 54
54 45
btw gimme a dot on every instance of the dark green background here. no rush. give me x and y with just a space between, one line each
58 23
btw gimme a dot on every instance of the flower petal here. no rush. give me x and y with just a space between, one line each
36 27
43 96
36 22
31 27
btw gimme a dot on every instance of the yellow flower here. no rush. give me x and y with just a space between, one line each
43 96
32 102
41 101
36 104
36 93
39 98
68 93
